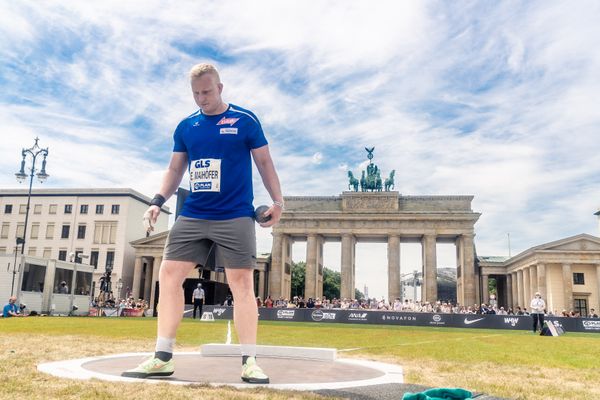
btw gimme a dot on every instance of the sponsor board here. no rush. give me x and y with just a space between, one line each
436 319
512 321
286 314
468 321
591 325
358 316
219 311
398 317
319 315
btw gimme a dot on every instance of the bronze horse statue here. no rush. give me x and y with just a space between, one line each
353 182
389 182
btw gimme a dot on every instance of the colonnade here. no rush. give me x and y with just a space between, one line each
281 261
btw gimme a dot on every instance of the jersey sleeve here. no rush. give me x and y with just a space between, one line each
179 145
256 137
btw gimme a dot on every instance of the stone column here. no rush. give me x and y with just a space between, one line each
393 268
277 267
468 246
429 268
155 274
148 281
515 293
541 280
485 283
287 263
137 278
460 268
320 241
520 294
310 280
261 285
526 294
568 287
533 284
509 291
347 284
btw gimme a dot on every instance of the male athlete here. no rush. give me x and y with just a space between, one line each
215 145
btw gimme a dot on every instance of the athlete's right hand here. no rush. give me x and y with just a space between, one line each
150 217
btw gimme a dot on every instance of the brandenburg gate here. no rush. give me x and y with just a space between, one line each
375 217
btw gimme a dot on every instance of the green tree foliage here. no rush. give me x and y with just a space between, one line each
332 281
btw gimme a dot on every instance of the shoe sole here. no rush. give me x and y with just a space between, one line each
255 380
143 375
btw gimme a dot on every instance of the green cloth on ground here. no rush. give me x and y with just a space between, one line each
439 394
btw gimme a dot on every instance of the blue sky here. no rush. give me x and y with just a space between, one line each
492 99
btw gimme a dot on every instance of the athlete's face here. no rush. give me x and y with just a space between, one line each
207 93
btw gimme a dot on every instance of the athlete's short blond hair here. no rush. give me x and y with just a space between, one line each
200 69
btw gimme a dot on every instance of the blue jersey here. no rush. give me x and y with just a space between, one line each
7 308
219 162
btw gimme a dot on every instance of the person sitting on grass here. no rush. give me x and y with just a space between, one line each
11 309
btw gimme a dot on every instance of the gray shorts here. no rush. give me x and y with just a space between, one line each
233 242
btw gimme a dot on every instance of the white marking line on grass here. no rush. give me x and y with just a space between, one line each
414 343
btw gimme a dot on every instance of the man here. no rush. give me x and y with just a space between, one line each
216 144
537 311
11 309
198 300
593 314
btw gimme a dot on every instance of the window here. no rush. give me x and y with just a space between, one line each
52 209
50 231
3 250
115 209
105 232
62 281
99 209
581 306
35 230
81 232
37 209
20 230
47 253
33 278
8 209
68 208
31 251
65 231
83 209
22 208
5 228
78 254
578 278
83 283
110 259
62 255
94 258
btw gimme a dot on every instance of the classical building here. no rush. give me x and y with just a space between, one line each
94 225
566 272
376 217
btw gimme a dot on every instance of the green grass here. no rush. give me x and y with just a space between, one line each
515 364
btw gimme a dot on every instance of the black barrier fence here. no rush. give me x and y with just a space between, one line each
522 322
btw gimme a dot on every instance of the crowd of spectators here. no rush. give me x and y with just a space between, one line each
440 307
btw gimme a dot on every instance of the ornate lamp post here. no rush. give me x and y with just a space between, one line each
34 152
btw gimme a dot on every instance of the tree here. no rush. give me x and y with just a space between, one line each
298 278
332 281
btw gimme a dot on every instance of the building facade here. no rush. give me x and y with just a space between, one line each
566 272
88 226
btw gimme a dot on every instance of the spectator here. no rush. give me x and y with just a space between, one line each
11 309
269 302
593 314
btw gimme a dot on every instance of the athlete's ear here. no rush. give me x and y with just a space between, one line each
220 85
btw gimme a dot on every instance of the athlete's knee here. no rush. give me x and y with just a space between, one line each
174 272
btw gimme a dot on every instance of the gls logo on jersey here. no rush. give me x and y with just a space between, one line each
205 175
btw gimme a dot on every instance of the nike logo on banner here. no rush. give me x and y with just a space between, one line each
469 322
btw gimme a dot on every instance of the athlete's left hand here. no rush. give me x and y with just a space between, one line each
275 212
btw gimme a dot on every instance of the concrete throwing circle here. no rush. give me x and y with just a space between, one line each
194 368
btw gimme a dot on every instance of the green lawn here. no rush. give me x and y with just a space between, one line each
514 364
